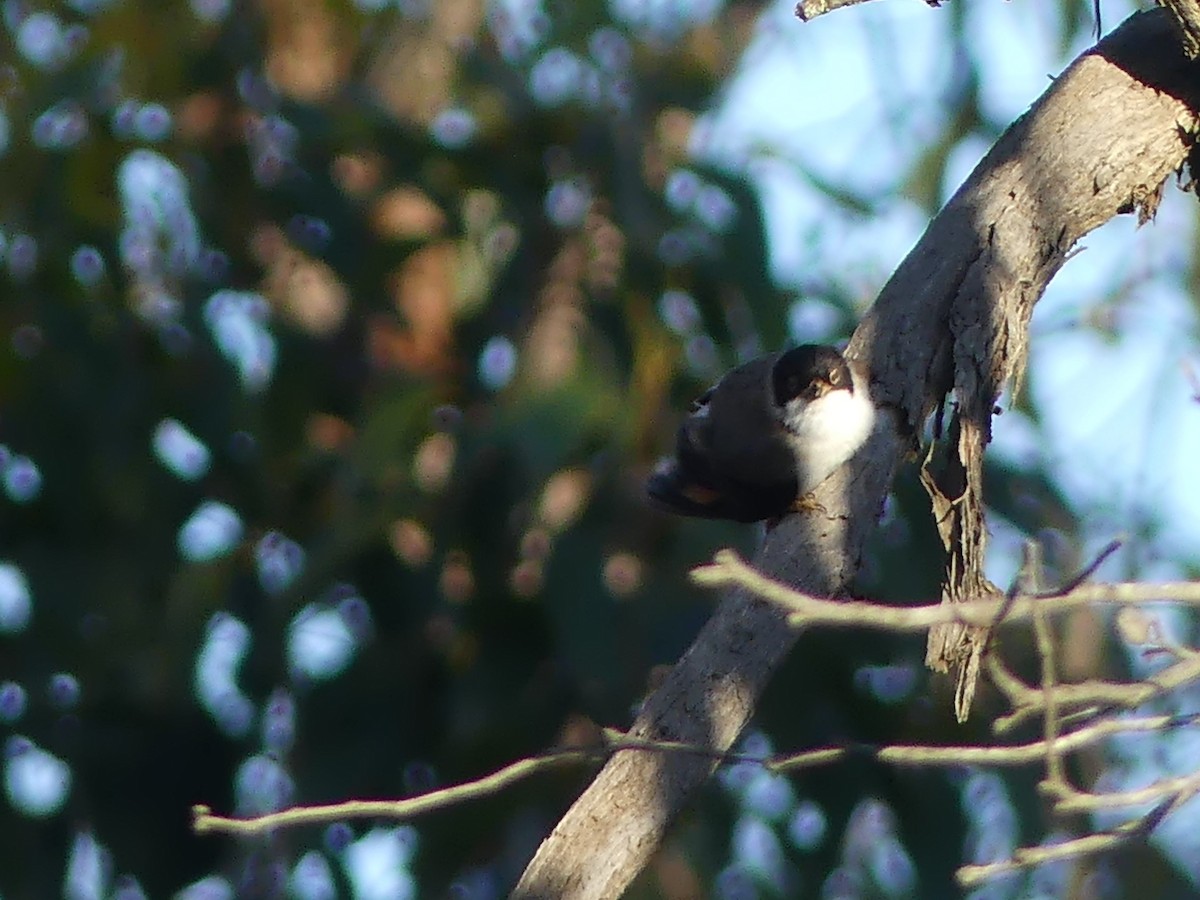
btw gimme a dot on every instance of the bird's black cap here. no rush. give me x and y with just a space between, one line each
803 370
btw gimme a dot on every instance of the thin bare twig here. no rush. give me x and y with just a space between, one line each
1075 801
1086 572
1098 697
1074 582
1028 857
727 568
1055 771
204 821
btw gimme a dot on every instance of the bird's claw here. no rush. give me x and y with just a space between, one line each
808 503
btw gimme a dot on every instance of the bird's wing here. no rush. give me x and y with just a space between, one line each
691 489
744 439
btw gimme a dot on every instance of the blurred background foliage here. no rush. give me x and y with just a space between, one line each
341 339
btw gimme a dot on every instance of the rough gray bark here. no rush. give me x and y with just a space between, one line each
1187 19
954 316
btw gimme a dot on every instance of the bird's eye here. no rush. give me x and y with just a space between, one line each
835 377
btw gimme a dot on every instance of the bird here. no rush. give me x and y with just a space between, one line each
755 444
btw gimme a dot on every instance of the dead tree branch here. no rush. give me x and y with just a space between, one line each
1058 739
1100 141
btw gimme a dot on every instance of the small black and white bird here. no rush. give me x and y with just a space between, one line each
760 439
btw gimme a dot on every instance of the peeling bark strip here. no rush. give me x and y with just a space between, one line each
1187 18
1079 156
954 315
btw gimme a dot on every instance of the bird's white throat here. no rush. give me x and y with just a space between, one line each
826 432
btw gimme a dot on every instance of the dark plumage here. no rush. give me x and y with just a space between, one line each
767 432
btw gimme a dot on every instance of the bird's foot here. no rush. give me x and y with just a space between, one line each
805 503
808 503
